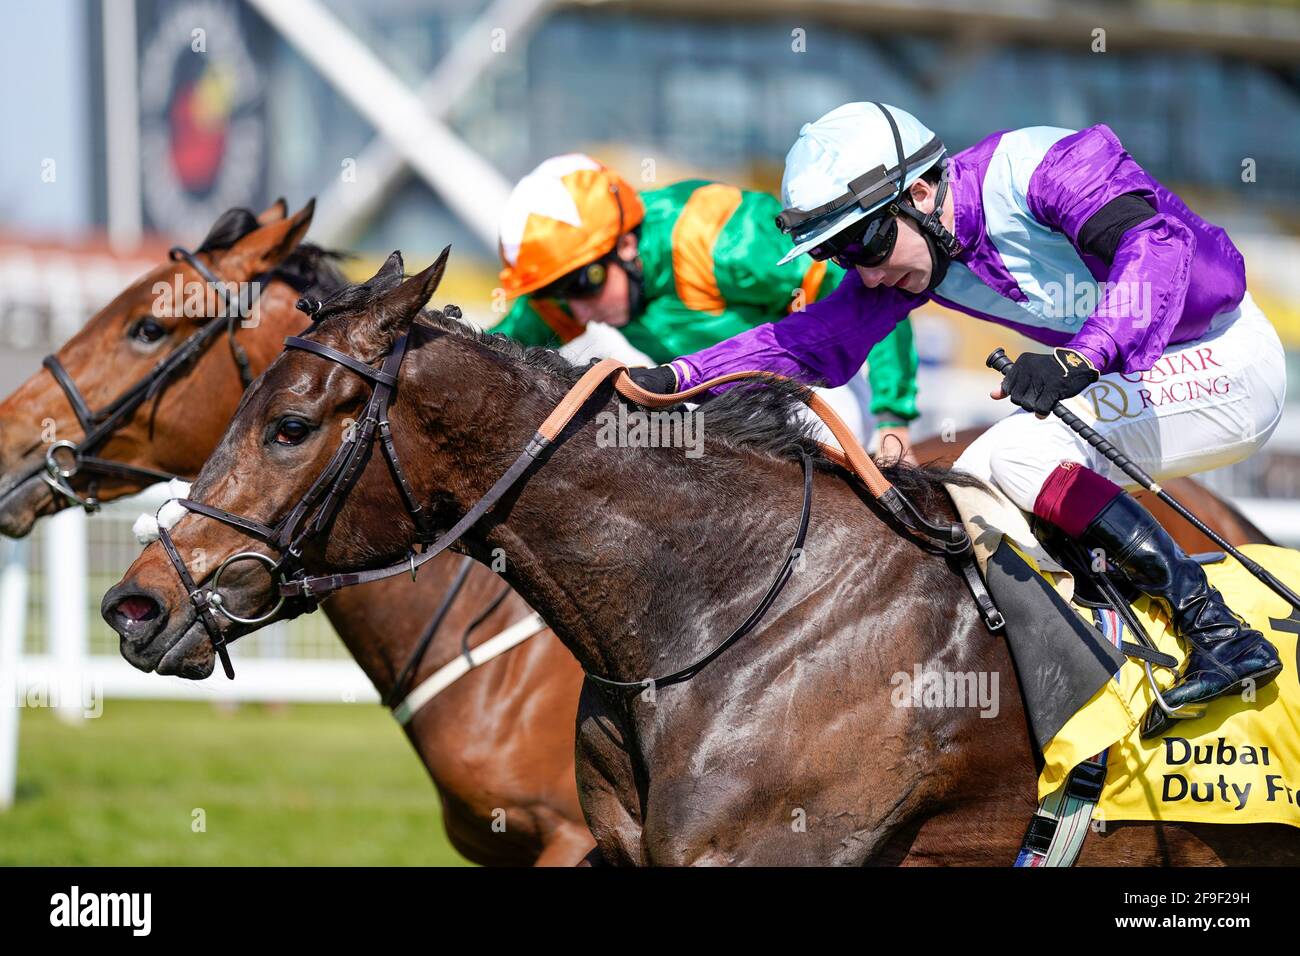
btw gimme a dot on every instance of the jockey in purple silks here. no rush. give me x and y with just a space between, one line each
1061 236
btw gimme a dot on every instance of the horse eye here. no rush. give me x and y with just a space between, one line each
292 431
147 331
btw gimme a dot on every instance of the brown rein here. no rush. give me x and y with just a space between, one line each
340 474
951 539
850 455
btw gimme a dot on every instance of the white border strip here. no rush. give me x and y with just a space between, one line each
449 673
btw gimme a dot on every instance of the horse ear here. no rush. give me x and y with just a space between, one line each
391 272
273 213
266 247
396 309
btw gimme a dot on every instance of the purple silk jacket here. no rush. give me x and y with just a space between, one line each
1020 198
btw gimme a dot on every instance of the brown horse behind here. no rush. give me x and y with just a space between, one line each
1218 514
498 743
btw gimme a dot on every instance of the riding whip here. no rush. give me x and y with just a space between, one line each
999 362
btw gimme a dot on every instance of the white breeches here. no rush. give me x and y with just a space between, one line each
1203 405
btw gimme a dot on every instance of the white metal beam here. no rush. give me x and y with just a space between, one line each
13 628
66 596
346 207
470 186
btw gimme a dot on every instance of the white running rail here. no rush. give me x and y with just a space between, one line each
56 652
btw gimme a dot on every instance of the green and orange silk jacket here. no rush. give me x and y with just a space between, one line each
708 252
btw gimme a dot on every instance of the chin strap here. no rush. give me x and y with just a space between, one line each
943 244
635 284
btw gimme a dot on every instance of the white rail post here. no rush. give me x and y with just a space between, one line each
13 627
66 596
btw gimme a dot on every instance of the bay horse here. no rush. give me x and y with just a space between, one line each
785 749
498 743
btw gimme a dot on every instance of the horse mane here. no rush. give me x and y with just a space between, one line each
309 266
766 419
315 269
231 226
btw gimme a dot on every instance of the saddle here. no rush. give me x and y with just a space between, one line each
1092 654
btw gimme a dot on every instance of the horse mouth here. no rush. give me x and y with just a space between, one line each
190 656
22 502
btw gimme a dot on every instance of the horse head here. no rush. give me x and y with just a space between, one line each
171 418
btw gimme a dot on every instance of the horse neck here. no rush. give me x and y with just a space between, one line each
276 318
622 550
381 624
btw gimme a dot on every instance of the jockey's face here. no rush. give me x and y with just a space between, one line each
610 304
909 264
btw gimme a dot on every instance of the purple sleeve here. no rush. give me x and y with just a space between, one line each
1147 283
1143 299
825 343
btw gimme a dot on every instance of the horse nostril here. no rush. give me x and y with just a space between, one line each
134 613
137 608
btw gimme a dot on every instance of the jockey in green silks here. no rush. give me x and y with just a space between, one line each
674 269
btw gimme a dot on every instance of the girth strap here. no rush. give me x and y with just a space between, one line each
1058 827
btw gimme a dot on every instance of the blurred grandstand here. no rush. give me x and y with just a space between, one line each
130 124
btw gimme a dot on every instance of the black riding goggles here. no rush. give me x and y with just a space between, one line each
582 283
866 243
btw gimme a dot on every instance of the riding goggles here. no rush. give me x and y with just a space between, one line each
867 243
582 283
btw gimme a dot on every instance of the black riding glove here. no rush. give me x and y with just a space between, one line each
1036 381
660 379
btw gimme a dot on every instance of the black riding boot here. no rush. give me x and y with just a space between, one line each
1222 651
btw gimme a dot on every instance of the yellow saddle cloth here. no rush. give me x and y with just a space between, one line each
1237 763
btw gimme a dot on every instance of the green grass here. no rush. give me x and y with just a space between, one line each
299 785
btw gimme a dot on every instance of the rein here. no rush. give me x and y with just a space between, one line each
98 427
325 497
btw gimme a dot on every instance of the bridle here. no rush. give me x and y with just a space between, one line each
98 427
315 510
323 499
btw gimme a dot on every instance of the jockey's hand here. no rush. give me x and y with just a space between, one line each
894 442
1036 381
660 379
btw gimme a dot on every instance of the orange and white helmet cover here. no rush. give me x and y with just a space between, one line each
567 212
